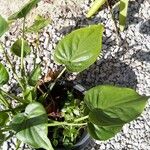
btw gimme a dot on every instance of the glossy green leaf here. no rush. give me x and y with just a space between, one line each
80 49
3 118
24 10
116 102
4 76
3 26
103 119
110 107
34 77
31 126
16 48
40 23
103 133
123 13
94 8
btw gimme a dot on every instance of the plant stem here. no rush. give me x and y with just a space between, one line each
56 123
18 144
4 101
81 119
10 96
19 108
118 39
53 84
12 68
35 51
65 123
22 48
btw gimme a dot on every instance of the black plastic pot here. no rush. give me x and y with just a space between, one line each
81 144
85 139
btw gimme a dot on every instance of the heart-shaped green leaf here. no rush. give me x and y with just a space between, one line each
31 126
3 26
111 106
34 77
3 118
4 76
94 8
24 10
103 119
123 13
40 23
80 49
16 48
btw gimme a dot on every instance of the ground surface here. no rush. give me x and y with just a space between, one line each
127 64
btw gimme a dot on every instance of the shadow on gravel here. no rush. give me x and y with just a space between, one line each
145 27
108 71
133 9
81 22
142 56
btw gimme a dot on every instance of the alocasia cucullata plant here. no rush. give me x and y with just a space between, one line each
108 107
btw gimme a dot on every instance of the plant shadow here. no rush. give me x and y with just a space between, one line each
108 71
145 27
142 56
133 10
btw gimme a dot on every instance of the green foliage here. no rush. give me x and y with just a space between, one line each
39 23
94 8
103 132
110 107
16 48
123 13
29 94
34 76
3 26
24 10
31 126
4 76
3 118
105 108
80 49
2 138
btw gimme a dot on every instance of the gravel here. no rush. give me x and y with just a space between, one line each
127 64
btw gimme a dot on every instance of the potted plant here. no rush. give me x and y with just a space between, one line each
55 114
